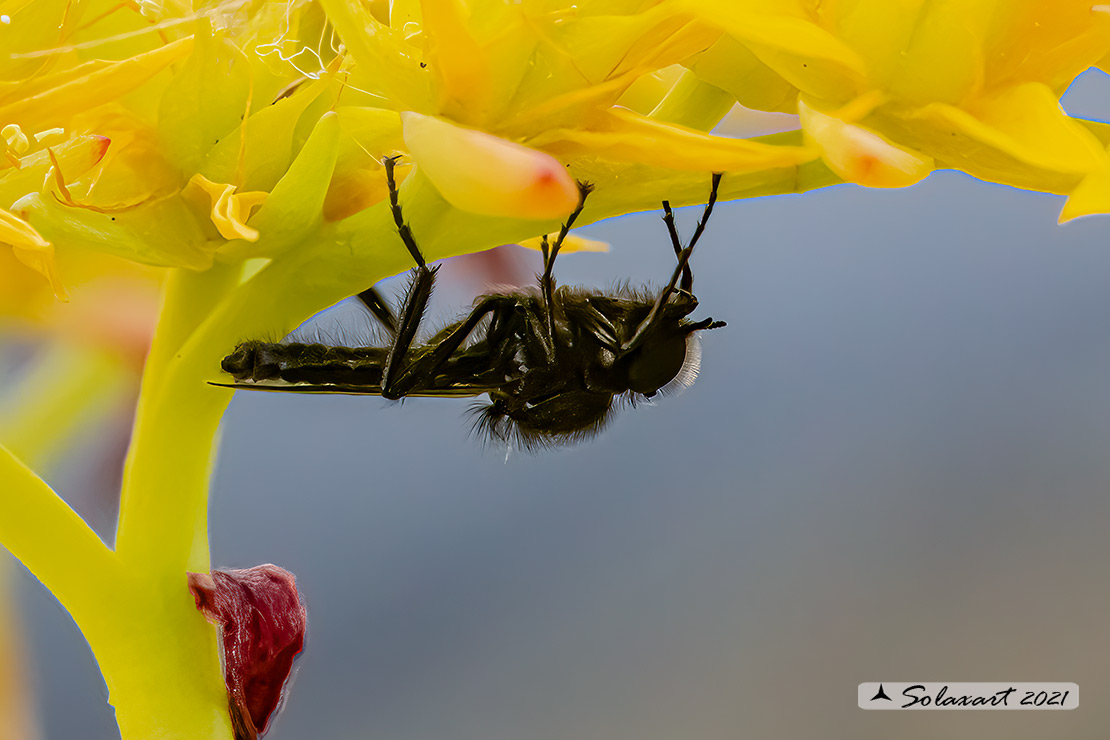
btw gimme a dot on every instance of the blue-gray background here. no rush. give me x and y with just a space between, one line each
894 466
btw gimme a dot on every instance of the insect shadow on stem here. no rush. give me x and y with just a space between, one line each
554 361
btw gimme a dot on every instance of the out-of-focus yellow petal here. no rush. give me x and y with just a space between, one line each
861 155
385 63
802 52
163 233
624 135
646 92
1022 121
358 181
230 210
258 153
376 130
1090 197
31 249
457 59
1049 42
731 66
76 157
204 102
354 189
945 60
485 174
693 103
576 68
15 144
12 90
294 208
572 243
53 106
921 50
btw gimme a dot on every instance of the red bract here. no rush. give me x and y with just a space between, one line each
262 623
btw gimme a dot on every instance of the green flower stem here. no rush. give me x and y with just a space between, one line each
54 543
161 664
65 388
163 667
163 513
158 655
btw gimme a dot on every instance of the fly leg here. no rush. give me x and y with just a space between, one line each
375 303
550 251
687 283
682 270
416 298
422 372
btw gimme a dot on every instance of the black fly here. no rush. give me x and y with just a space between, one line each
555 362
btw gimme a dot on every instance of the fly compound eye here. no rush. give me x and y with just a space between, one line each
657 363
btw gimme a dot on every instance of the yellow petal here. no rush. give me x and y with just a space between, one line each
354 189
104 83
31 249
572 243
385 64
630 137
1022 121
204 103
485 174
76 156
376 130
296 204
164 232
230 210
456 58
582 62
1090 197
1051 42
942 58
861 155
731 66
803 53
15 141
258 152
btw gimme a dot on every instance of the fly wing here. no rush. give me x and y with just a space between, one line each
461 390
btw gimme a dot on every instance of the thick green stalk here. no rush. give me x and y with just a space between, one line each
163 521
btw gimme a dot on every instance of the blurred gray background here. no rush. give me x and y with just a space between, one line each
894 466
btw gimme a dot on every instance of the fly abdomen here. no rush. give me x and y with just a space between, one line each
305 363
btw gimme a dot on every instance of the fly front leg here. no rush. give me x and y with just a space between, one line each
682 270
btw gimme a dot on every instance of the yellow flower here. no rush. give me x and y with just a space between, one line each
197 138
256 131
888 85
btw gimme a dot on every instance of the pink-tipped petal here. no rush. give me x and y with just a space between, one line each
485 174
860 155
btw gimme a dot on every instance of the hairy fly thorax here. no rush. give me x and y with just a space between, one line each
555 362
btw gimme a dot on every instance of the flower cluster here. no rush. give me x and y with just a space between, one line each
232 151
